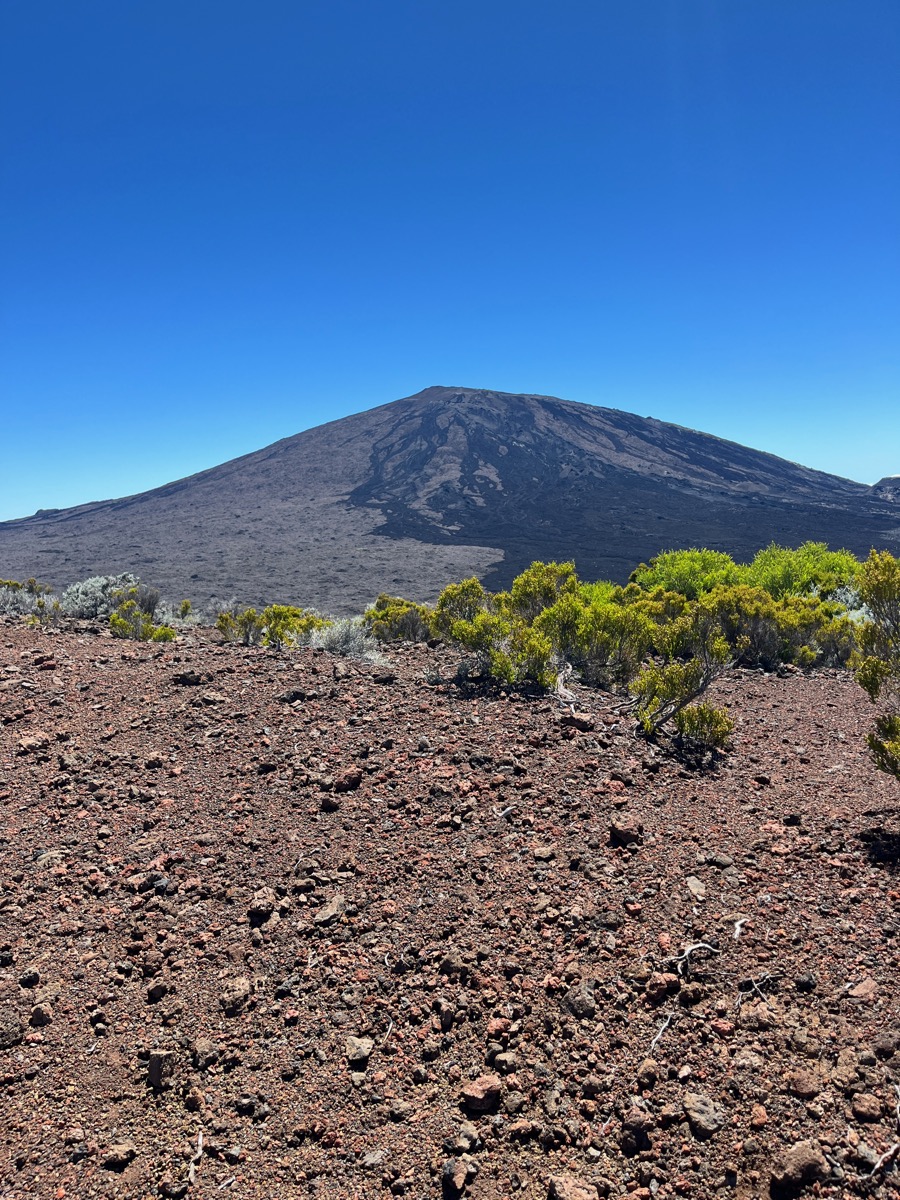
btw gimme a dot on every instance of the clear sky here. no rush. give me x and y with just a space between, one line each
223 222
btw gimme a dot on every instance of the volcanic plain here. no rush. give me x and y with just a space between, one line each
294 926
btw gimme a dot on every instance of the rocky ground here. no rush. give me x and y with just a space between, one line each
298 927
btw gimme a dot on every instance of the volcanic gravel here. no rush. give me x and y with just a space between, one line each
293 926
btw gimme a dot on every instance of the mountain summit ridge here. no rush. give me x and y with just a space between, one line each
448 482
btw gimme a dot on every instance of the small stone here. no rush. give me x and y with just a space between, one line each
235 996
205 1053
580 1000
866 1107
118 1156
567 1187
635 1125
30 979
332 911
41 1014
506 1063
704 1115
803 1163
454 1174
577 720
482 1094
696 887
452 964
885 1043
662 984
803 1084
159 1068
647 1074
623 834
263 904
188 679
358 1050
866 990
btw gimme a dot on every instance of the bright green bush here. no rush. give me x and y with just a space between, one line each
688 572
393 619
748 619
276 626
809 570
283 624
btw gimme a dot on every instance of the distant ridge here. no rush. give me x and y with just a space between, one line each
452 481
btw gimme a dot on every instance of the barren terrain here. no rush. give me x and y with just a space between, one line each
299 927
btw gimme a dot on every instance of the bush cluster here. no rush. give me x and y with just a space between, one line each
681 620
133 616
277 626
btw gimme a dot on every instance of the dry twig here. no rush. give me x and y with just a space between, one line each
662 1029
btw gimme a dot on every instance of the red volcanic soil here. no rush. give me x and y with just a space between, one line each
299 927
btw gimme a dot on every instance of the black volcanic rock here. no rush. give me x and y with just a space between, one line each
453 481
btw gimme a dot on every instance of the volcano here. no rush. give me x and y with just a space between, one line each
447 483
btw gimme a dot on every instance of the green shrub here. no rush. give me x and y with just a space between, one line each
689 572
877 658
46 612
762 631
392 619
130 620
605 642
537 588
748 619
459 602
809 570
708 727
504 649
284 624
243 625
694 654
278 625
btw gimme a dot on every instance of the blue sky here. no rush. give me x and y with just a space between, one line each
222 223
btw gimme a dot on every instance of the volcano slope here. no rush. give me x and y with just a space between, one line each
448 483
295 926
